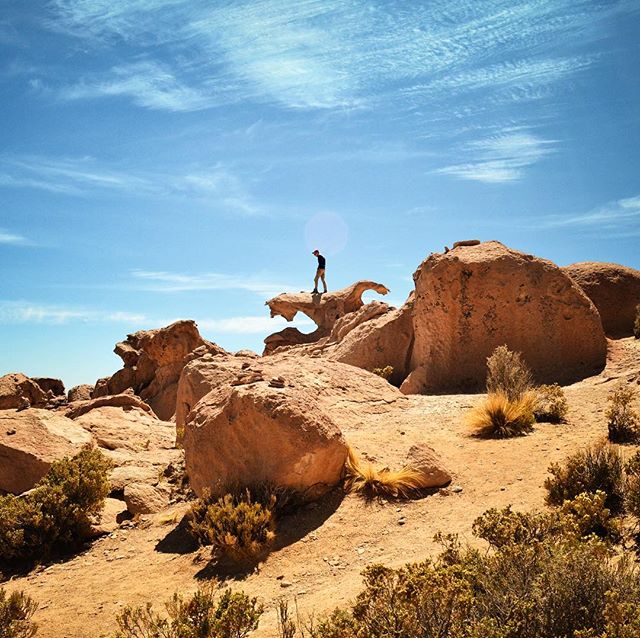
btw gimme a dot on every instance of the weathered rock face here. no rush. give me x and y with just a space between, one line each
49 385
425 460
19 391
473 299
80 393
202 375
324 310
124 400
30 441
384 341
615 291
277 422
153 361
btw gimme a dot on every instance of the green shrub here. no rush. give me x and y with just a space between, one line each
16 611
498 416
551 404
235 526
234 615
508 374
386 373
622 419
56 514
598 467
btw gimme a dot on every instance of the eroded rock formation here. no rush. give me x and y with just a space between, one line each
18 391
153 361
473 299
323 309
615 291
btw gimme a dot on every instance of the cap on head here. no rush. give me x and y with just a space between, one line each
316 252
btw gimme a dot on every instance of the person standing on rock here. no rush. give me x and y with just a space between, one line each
322 262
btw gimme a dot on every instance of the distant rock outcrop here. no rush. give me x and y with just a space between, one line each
80 393
153 361
475 298
615 291
323 309
17 391
30 441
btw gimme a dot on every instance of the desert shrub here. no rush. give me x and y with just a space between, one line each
234 615
587 514
599 467
364 479
551 404
56 514
235 526
632 487
16 611
386 373
636 323
508 374
622 419
498 416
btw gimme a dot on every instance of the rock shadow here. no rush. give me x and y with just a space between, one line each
291 528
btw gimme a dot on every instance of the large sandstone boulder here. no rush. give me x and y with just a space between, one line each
48 385
30 441
324 310
473 299
615 291
200 376
277 421
19 391
124 400
80 393
153 361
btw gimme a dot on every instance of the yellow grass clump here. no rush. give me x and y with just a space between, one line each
500 417
362 478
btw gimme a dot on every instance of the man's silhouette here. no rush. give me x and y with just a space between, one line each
322 262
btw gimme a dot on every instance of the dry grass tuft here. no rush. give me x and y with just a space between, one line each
363 478
500 417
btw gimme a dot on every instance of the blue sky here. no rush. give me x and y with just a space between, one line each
165 159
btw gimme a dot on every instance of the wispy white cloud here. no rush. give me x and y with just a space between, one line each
16 312
501 158
250 324
7 237
148 84
214 186
335 54
161 281
617 218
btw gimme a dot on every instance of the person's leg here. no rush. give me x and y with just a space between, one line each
324 281
315 281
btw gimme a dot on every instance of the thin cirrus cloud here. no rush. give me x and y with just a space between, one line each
501 158
616 218
18 312
23 312
217 185
13 239
169 282
334 54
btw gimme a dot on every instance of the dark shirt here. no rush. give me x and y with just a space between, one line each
321 261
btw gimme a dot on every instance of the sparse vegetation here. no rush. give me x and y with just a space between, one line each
498 416
16 611
632 487
235 525
386 373
551 404
525 586
508 374
56 514
636 323
596 468
363 478
233 615
623 421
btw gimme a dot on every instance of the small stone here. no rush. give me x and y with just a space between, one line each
402 520
456 489
285 583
